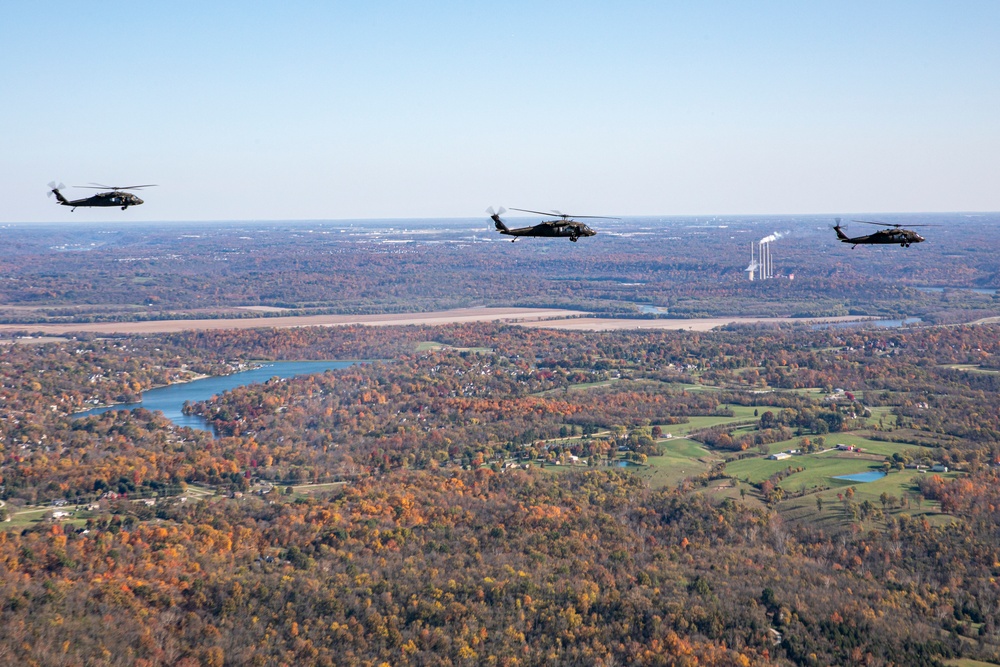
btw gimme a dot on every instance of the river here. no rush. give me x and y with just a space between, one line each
170 399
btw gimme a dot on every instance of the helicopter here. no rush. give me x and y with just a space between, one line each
894 233
115 197
565 226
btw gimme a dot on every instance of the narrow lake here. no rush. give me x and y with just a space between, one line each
170 400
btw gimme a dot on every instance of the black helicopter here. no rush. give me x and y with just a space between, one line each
116 195
893 233
564 227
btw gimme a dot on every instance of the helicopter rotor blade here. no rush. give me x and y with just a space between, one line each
880 224
566 215
527 210
892 224
98 186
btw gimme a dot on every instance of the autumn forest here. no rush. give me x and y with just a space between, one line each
487 493
460 498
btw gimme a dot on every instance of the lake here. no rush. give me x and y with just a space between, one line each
870 476
170 400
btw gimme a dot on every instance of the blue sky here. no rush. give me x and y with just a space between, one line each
334 110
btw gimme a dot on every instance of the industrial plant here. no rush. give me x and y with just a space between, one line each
761 266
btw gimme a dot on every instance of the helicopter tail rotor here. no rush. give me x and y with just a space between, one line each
839 228
54 190
495 215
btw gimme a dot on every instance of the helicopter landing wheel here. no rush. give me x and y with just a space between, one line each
902 245
124 207
573 239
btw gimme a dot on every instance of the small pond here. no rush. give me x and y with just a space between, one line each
870 476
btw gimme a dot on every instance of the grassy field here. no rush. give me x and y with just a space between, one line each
428 345
813 485
31 516
833 439
968 662
819 469
971 368
681 459
306 489
741 412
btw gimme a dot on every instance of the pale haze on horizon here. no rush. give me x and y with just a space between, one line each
314 110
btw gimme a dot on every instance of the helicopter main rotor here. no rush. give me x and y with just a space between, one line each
115 188
890 224
564 216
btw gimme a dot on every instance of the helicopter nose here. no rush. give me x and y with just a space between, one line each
918 238
136 201
589 232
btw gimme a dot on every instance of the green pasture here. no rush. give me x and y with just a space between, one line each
872 446
818 469
692 387
875 447
586 385
884 411
34 515
898 484
682 458
741 412
684 386
968 662
808 391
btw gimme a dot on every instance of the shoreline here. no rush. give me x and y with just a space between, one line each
102 406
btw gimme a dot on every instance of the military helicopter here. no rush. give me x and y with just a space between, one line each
115 197
564 227
893 234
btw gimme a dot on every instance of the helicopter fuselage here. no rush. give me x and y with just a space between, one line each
113 198
570 230
902 237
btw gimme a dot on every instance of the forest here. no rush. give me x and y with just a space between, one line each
459 498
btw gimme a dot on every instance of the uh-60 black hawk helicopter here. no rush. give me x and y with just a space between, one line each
894 233
564 227
116 195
